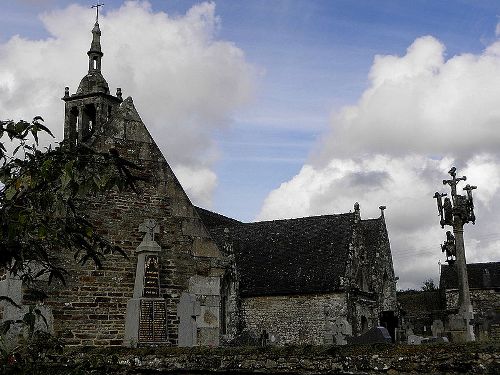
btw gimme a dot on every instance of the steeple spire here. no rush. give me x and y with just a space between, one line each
89 110
95 54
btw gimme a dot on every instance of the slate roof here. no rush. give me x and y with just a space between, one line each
371 233
480 275
213 219
419 303
292 256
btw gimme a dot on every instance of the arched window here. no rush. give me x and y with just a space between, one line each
361 280
74 126
89 117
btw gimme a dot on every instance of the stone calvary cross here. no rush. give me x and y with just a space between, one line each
150 228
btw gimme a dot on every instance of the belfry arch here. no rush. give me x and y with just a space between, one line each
88 110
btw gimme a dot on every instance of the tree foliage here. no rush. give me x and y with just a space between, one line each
40 199
428 285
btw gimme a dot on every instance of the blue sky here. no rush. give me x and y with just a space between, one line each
315 57
311 60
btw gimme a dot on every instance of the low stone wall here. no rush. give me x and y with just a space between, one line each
379 359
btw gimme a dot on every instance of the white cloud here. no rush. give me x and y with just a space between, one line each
185 82
422 103
420 115
201 182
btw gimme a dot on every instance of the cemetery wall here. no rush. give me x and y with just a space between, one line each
304 319
363 359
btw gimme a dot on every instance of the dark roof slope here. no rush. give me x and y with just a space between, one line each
480 275
419 303
293 256
213 219
371 234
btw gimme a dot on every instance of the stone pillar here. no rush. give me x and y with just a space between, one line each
464 304
146 317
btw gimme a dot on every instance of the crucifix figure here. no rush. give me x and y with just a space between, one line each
96 6
453 183
150 228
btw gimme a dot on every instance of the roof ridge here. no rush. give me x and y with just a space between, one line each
302 218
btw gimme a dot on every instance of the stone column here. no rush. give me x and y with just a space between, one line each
464 303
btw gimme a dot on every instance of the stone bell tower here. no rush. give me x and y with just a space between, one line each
88 110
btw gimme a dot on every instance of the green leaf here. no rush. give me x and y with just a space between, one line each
89 231
10 192
65 179
42 232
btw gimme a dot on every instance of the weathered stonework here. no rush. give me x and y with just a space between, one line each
486 305
91 309
314 280
305 319
484 286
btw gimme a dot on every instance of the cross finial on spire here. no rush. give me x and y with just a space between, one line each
96 6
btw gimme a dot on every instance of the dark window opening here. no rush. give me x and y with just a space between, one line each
74 126
223 312
362 282
89 117
224 304
364 324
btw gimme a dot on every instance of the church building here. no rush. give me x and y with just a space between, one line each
196 278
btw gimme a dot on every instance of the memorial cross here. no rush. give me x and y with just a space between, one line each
150 228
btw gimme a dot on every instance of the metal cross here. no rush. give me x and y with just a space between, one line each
96 6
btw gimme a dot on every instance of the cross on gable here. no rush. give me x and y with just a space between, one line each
149 227
96 6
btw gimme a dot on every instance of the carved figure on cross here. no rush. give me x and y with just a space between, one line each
150 228
96 6
453 182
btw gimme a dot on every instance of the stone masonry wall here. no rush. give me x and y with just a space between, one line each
486 305
91 309
295 318
482 299
364 359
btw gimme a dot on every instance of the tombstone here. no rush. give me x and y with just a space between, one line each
207 292
415 339
437 328
264 338
434 340
187 311
146 317
456 322
12 287
341 329
375 335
